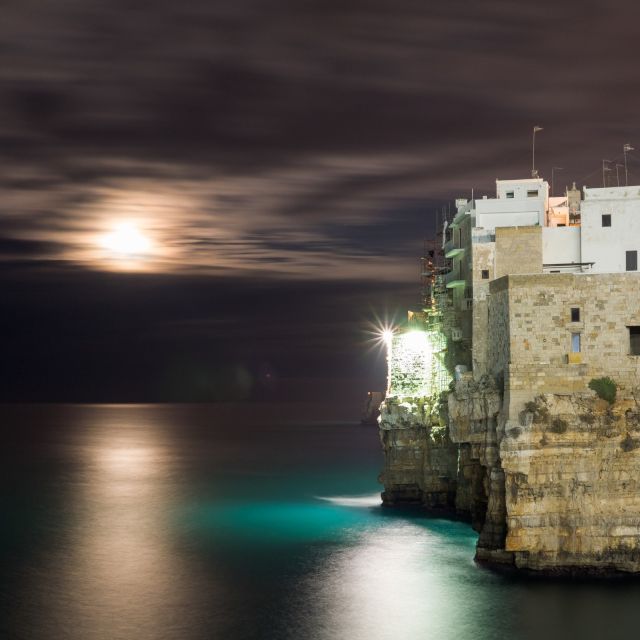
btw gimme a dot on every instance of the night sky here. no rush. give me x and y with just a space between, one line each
282 161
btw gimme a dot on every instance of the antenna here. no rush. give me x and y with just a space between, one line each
553 170
604 171
625 148
618 165
534 172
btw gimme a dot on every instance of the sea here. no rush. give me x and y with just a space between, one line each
263 521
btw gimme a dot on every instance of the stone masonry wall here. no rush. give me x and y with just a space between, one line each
540 328
518 250
498 330
483 260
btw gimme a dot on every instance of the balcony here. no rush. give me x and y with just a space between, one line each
454 253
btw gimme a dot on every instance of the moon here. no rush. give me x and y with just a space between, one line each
126 241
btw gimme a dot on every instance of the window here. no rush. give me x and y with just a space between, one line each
632 260
606 219
509 194
575 314
634 341
532 194
575 343
485 274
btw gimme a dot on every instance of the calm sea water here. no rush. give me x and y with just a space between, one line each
206 522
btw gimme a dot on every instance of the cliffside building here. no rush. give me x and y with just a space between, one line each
543 296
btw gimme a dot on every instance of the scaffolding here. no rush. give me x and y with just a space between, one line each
435 307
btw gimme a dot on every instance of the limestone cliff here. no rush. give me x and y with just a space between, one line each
420 459
572 480
474 409
557 489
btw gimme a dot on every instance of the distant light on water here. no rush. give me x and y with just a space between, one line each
368 501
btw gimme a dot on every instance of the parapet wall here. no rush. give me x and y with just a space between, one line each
518 250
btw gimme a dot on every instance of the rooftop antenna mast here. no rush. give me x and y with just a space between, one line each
618 165
625 148
553 170
605 169
534 171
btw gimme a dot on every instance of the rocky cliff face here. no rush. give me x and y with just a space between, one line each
474 411
572 484
555 489
420 459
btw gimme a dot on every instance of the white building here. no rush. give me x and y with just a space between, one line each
610 230
598 232
518 203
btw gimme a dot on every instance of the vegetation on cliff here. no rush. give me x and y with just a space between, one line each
606 388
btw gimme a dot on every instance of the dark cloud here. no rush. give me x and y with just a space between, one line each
301 114
14 248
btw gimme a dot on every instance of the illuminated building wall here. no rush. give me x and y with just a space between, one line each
416 364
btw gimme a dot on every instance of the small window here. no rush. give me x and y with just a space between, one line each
485 274
532 194
632 260
606 219
575 343
509 194
562 225
575 314
634 341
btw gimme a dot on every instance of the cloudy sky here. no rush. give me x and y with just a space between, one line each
280 162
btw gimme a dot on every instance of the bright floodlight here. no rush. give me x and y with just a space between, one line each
387 335
415 340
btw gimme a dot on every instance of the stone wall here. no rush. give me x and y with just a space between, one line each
533 354
518 250
498 329
483 260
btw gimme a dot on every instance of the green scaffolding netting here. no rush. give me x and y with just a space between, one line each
416 363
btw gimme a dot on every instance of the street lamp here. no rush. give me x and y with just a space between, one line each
534 173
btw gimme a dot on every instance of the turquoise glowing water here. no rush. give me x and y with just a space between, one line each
206 522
